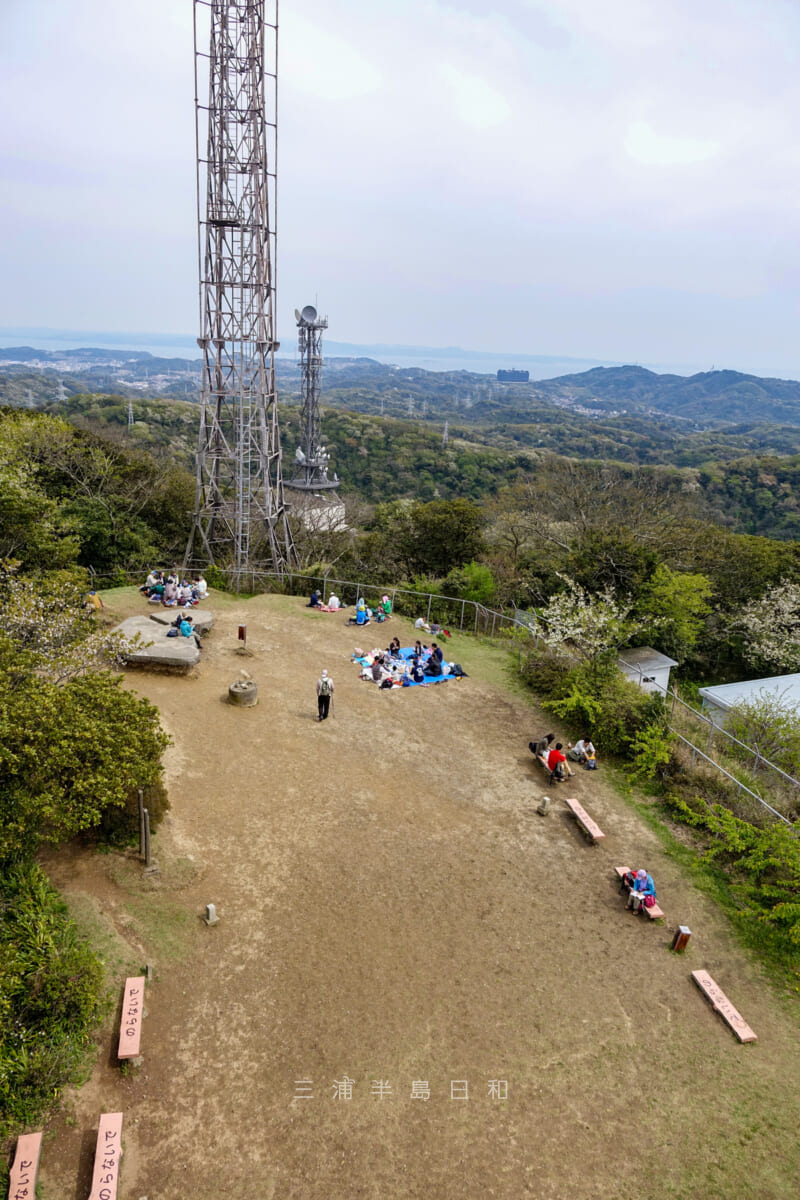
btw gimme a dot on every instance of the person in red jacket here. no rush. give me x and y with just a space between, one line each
557 764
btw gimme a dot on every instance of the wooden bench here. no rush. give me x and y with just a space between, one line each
105 1175
589 827
25 1168
721 1004
654 913
130 1026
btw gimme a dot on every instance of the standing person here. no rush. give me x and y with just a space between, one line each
324 693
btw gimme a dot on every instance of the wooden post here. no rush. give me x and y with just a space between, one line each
243 635
681 939
428 618
147 861
141 822
461 622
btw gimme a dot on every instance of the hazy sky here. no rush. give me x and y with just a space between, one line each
608 178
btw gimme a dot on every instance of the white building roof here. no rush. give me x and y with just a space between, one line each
645 659
727 694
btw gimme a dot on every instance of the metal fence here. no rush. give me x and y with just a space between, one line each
472 617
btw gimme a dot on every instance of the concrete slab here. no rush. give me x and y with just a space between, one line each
155 647
202 619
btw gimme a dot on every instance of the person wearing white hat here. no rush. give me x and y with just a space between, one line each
643 886
324 694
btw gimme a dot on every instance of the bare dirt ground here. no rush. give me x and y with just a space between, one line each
394 910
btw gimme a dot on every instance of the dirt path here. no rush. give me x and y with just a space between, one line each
394 910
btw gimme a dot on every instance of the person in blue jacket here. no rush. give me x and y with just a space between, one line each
642 886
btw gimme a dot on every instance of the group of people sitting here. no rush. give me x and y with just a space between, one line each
434 627
557 763
381 612
640 888
316 601
183 626
390 666
171 590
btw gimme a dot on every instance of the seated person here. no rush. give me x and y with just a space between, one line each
185 626
418 648
417 673
433 667
420 624
394 647
436 653
314 602
150 582
386 605
557 765
362 617
378 673
156 595
541 748
185 592
202 587
435 627
642 886
582 751
334 603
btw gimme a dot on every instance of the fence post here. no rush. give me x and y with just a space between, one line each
461 622
491 635
147 861
428 618
476 620
140 796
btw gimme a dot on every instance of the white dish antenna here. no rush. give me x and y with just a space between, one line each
309 314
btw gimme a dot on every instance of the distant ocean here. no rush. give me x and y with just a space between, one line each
426 358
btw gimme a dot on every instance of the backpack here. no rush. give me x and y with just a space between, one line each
325 687
590 765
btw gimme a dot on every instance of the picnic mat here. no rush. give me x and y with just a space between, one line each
407 652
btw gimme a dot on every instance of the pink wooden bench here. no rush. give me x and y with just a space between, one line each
721 1004
589 827
105 1176
653 913
130 1027
25 1168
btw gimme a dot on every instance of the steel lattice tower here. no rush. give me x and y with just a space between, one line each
311 460
240 516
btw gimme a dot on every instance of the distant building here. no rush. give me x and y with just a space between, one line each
647 667
717 701
513 376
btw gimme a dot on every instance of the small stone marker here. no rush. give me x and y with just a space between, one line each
721 1004
681 939
211 917
544 807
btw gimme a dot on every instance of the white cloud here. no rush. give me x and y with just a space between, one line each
654 149
477 103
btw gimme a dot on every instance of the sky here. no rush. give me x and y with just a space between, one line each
614 180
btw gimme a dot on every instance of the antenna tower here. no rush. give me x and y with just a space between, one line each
240 514
131 420
311 458
445 435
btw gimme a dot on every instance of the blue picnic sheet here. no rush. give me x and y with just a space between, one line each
407 652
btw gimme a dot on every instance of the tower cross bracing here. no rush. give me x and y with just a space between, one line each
240 515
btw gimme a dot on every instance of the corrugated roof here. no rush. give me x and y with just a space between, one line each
725 695
646 658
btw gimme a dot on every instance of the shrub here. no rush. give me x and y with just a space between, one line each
51 994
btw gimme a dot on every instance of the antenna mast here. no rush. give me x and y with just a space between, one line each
311 459
239 515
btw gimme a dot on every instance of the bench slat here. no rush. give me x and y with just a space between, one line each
105 1176
25 1168
130 1026
721 1004
590 827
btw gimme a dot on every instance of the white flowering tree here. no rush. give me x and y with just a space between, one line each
771 628
585 625
45 630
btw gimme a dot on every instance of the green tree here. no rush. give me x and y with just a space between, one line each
672 608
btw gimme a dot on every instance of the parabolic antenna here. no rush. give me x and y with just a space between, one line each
309 314
297 315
